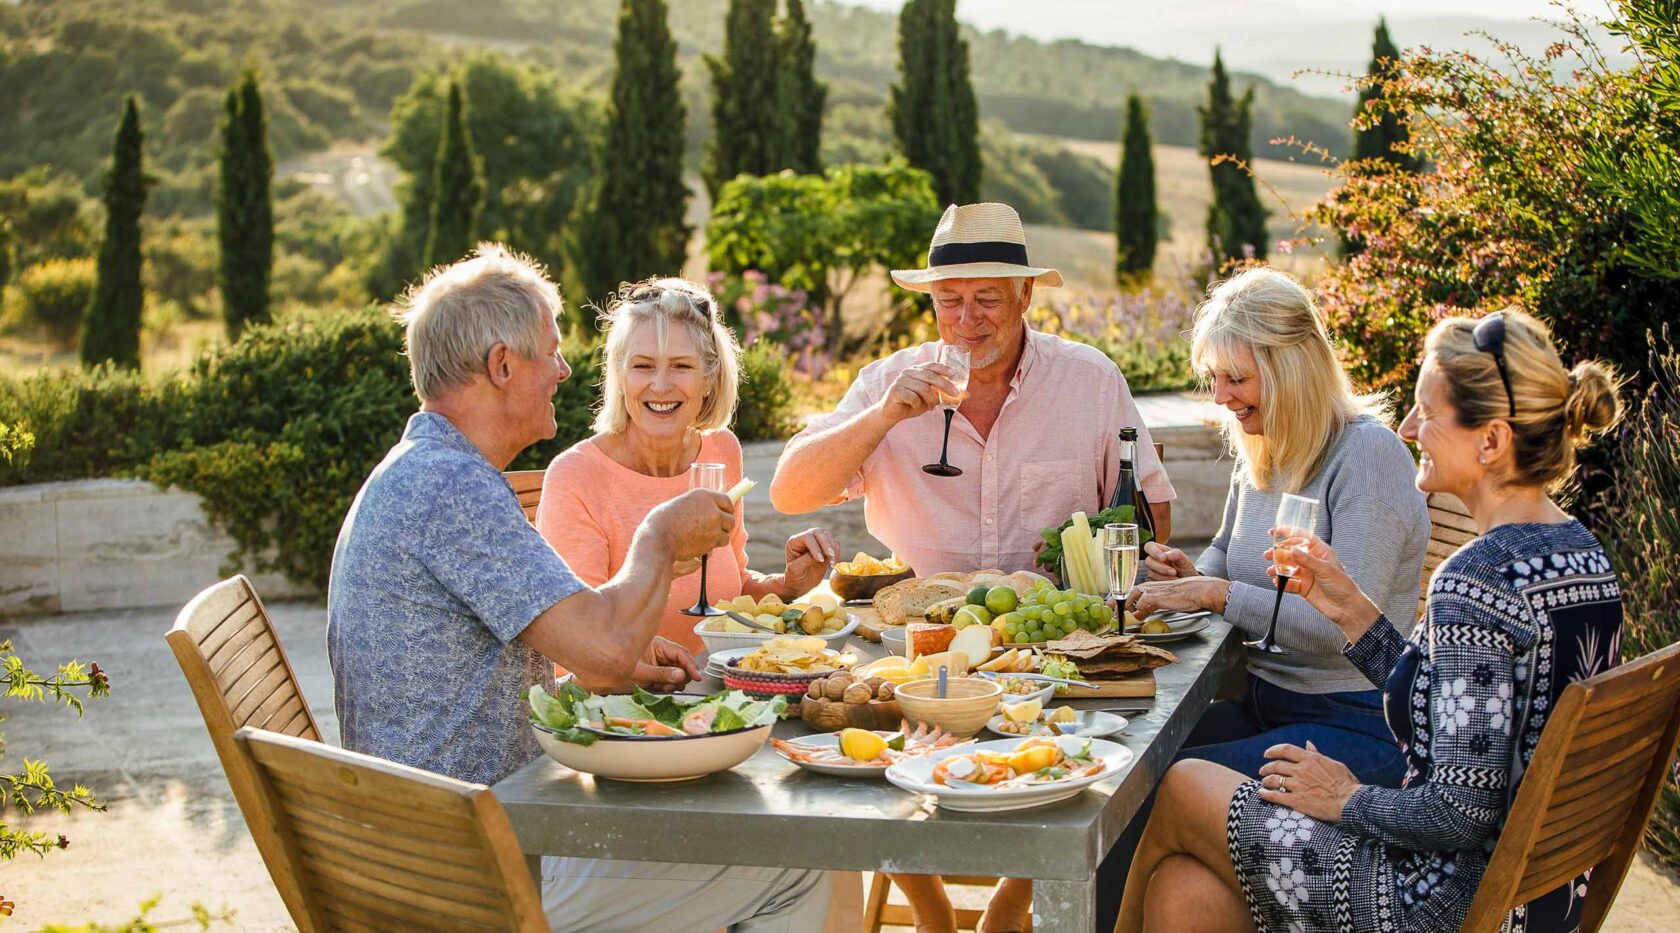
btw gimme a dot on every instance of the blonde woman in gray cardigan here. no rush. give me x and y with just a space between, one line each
1295 426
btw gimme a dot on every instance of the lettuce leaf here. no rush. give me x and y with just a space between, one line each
558 714
563 714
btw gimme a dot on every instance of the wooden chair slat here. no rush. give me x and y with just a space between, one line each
250 662
271 687
301 725
389 907
436 862
337 921
276 712
1588 790
235 633
318 797
387 818
1450 528
464 901
236 622
324 823
267 671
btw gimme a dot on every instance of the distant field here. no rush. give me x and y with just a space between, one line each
1183 192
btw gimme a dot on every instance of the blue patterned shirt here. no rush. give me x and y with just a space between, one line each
435 575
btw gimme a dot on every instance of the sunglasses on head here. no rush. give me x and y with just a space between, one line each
1489 337
653 293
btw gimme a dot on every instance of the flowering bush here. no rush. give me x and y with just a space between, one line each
1514 210
1142 330
762 310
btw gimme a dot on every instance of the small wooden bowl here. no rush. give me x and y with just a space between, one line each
969 702
853 586
833 715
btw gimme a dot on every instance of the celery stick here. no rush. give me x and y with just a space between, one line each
739 490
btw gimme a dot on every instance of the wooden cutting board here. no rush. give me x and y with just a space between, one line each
1141 684
869 622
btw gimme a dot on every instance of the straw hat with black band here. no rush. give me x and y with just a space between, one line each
977 241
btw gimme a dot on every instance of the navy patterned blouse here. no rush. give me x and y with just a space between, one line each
1512 618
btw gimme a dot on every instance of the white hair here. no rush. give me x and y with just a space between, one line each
459 313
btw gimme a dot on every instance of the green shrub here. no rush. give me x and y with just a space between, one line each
278 431
51 296
1641 530
765 411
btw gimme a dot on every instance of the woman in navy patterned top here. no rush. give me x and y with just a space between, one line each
1513 617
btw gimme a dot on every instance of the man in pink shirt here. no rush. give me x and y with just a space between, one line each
1036 438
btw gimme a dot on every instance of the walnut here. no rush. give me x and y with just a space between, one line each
834 688
857 694
885 691
874 683
815 690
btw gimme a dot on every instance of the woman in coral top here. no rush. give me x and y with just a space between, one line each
669 388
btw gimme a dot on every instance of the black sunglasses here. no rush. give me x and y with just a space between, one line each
705 306
1489 337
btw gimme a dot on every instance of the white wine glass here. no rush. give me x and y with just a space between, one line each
705 476
1120 550
1297 517
956 360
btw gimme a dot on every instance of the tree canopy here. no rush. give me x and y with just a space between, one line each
111 327
932 108
1236 221
244 209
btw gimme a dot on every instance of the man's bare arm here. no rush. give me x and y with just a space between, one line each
815 470
600 634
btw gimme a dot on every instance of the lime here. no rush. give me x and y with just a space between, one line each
1001 599
977 596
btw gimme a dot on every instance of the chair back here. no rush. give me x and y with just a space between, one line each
376 845
1588 791
239 674
527 485
1450 528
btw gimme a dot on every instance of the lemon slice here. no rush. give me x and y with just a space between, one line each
1063 714
1023 712
861 745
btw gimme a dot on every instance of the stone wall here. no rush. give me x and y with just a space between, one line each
124 544
110 544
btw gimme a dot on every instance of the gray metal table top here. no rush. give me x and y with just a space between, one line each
768 812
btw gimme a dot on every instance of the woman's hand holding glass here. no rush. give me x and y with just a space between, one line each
1325 584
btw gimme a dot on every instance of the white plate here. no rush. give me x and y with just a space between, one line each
675 758
1045 695
832 740
1183 625
729 641
916 776
1095 724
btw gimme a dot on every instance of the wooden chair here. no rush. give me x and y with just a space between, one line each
376 845
527 485
1450 528
878 913
1588 791
240 676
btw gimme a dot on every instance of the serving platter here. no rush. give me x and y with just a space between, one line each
1183 625
916 776
1093 724
832 740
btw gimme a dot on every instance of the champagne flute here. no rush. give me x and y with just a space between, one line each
1297 517
1120 547
955 359
705 476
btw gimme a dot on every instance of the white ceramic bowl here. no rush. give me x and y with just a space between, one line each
892 639
669 758
723 641
1045 694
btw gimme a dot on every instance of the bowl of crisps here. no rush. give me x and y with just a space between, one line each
863 576
784 665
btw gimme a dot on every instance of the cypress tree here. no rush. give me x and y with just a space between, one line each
933 111
746 131
244 209
800 96
111 327
635 227
457 188
1135 214
1236 222
1380 140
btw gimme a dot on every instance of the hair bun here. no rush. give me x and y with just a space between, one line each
1592 406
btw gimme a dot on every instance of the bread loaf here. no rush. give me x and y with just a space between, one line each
909 600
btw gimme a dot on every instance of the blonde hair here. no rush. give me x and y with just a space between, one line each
1557 410
458 313
663 302
1305 397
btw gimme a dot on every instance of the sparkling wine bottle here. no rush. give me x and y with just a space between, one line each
1126 490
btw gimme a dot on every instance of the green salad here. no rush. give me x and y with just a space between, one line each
642 713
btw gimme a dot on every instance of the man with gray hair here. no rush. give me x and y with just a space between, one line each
445 605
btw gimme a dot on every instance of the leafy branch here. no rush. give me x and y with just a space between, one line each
33 788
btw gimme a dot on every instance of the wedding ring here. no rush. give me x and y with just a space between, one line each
1281 788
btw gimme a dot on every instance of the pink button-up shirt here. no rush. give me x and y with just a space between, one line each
1054 450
